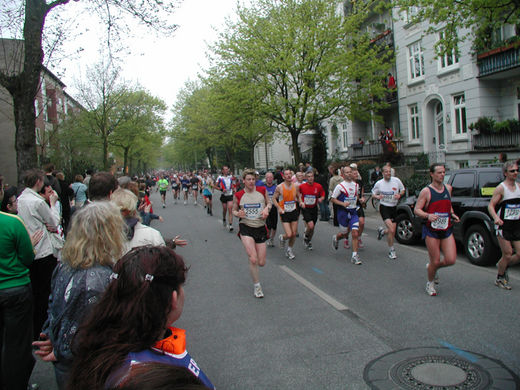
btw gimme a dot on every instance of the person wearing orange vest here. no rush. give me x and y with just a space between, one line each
285 199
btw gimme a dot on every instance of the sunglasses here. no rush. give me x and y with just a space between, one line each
513 170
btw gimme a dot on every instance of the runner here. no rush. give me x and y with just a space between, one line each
506 198
162 184
288 209
176 183
311 194
225 184
388 190
359 207
185 187
207 185
272 220
251 205
434 205
195 182
345 196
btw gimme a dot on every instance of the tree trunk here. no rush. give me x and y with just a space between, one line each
295 147
105 154
125 160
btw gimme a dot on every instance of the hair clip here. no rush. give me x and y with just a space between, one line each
114 276
148 277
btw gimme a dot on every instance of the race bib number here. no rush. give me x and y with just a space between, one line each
441 223
252 210
289 206
512 212
388 197
352 202
309 200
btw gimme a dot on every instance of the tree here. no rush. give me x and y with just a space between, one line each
29 18
475 19
307 62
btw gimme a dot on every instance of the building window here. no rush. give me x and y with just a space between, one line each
410 13
414 122
448 60
416 61
459 107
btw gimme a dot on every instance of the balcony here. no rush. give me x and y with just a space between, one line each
370 150
384 39
500 63
496 141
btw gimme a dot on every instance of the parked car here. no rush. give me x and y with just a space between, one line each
472 190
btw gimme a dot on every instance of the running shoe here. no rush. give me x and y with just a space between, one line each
360 244
289 253
306 243
430 289
194 203
392 255
163 206
230 227
502 283
282 241
380 232
355 260
309 246
270 242
185 203
346 244
258 292
335 242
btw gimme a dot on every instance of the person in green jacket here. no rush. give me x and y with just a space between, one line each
16 303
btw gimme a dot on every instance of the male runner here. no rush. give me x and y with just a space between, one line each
288 210
356 176
311 194
207 194
162 184
272 220
185 185
251 205
506 198
434 205
175 187
225 184
345 195
388 190
194 180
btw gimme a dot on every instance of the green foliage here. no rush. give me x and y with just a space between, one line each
416 183
487 125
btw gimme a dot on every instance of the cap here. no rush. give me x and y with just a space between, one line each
353 166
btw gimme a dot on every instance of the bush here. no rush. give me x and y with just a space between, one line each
486 125
416 183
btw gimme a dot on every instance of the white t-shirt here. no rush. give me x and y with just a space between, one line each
347 192
388 189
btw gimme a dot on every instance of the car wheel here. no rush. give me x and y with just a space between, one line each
478 246
404 232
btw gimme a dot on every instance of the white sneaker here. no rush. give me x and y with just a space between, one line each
230 227
185 203
430 289
355 260
258 292
282 241
335 242
289 253
194 203
380 232
392 255
270 242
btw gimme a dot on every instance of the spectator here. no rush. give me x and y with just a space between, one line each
145 296
333 182
80 192
49 168
502 157
16 303
376 175
37 216
360 141
391 82
9 202
88 176
101 186
66 194
79 280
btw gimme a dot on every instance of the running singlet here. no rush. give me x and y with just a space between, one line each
253 203
346 192
185 182
440 205
171 350
270 190
311 194
288 202
206 187
509 208
225 183
388 189
175 183
163 184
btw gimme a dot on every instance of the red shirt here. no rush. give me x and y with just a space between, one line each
311 193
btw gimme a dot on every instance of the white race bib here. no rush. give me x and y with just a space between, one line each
441 223
309 200
388 197
253 210
289 206
512 212
352 202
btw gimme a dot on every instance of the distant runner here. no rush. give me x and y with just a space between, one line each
225 184
162 184
311 194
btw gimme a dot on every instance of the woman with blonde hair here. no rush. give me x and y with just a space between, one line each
95 242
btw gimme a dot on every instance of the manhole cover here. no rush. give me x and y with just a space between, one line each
438 368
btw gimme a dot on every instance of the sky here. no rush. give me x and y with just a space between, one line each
163 65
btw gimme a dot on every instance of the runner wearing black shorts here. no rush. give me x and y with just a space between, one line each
311 194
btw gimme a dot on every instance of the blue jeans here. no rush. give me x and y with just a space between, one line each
16 330
324 211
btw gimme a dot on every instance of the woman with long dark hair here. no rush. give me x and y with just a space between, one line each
131 323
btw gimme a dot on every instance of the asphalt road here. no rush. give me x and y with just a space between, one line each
323 319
